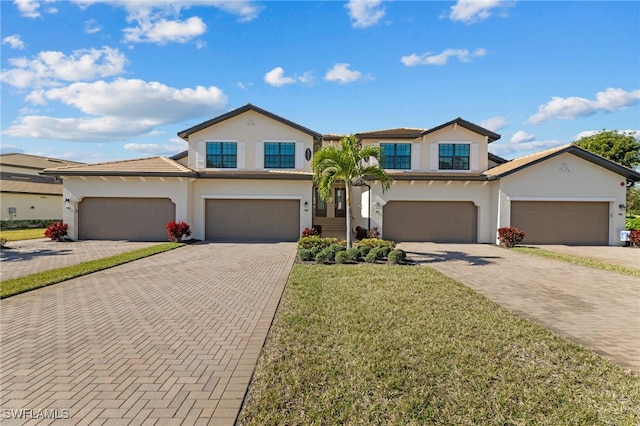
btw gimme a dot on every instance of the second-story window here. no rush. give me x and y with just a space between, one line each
222 155
396 155
279 155
453 156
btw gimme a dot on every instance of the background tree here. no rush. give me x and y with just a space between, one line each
621 147
346 163
633 201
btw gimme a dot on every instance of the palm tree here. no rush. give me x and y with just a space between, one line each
347 163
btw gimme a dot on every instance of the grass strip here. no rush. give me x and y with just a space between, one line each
579 260
378 344
22 234
42 279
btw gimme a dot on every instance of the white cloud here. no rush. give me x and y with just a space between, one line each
511 149
117 110
341 73
572 107
276 77
494 123
166 31
14 41
30 8
134 99
463 55
50 68
10 149
521 137
158 21
175 146
92 26
365 13
470 11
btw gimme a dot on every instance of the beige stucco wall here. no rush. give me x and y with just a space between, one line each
250 127
76 188
477 192
31 206
204 189
565 177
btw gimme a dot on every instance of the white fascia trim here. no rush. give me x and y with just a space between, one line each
252 197
593 199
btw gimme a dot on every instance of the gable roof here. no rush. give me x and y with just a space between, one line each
497 159
30 187
467 125
528 160
248 107
152 166
398 133
35 162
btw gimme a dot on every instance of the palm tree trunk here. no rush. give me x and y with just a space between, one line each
348 201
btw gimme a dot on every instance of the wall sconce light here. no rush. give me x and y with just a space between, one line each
66 202
306 206
377 206
622 207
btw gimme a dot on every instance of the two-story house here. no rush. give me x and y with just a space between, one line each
246 176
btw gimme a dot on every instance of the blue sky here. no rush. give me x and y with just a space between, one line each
93 80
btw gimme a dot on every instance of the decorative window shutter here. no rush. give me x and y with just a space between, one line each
299 155
433 156
259 155
201 155
474 157
241 155
415 156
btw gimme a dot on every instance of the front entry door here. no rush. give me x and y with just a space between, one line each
341 202
321 206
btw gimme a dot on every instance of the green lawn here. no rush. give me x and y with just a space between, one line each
401 345
579 260
41 279
22 234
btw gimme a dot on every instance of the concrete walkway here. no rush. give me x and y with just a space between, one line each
30 256
169 339
598 309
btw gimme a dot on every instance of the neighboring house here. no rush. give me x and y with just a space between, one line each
24 193
246 176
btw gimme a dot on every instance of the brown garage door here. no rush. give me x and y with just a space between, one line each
438 221
550 222
252 220
134 219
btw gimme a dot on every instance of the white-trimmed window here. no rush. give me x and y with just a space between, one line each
396 155
454 156
222 155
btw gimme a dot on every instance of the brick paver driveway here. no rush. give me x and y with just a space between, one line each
598 309
170 339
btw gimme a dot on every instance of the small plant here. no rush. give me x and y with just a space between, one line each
632 223
373 256
385 250
510 237
354 254
306 255
315 230
322 257
178 230
397 256
315 240
373 233
634 237
376 242
57 231
363 233
342 257
3 243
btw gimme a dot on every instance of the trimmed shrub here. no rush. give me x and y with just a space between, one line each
27 223
634 237
177 230
315 240
342 257
373 256
314 250
375 242
363 251
322 257
354 254
306 255
632 223
396 256
510 237
385 250
57 231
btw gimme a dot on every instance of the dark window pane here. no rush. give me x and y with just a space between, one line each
454 157
221 155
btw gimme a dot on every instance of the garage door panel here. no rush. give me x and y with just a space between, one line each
133 219
252 220
570 222
437 221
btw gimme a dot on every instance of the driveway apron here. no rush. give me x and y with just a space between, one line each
169 339
595 308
